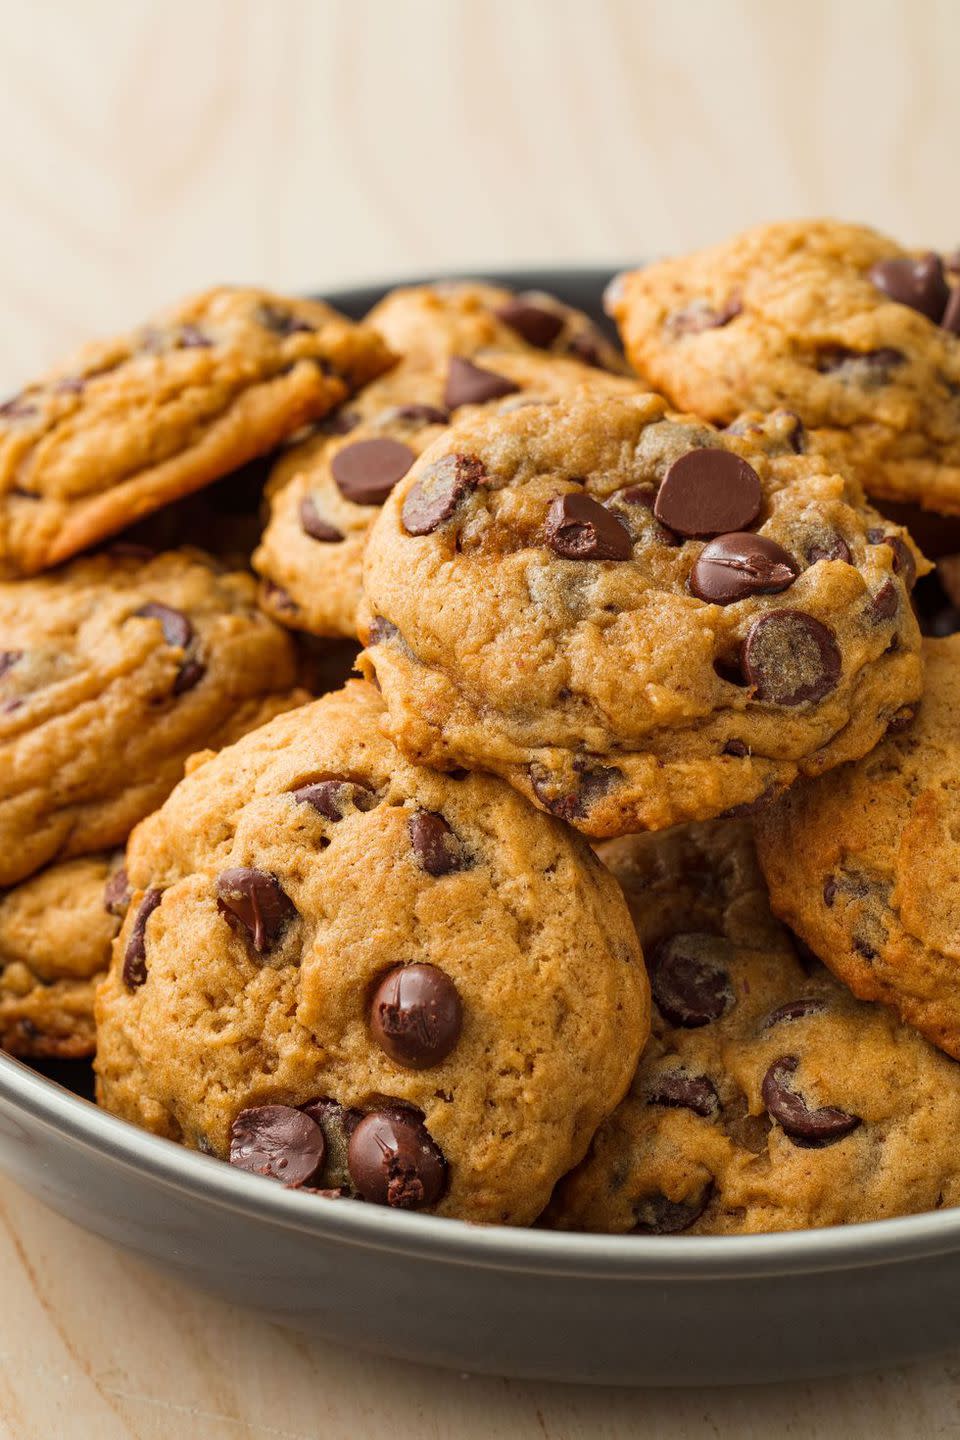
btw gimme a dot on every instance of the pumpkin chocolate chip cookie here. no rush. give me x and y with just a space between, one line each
130 424
403 986
634 619
768 1097
858 336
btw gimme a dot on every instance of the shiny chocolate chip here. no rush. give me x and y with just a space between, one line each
255 903
434 843
394 1160
333 798
734 567
812 1128
790 658
177 629
921 284
872 367
416 1015
533 323
116 893
366 471
656 1215
278 1141
795 1010
688 1092
135 955
191 672
578 528
469 384
313 524
436 495
690 981
885 604
708 492
829 547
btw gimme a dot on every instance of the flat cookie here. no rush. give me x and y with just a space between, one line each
540 603
362 977
840 324
866 868
768 1097
130 424
113 671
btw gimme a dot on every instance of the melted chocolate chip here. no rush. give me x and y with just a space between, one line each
832 547
870 366
533 323
689 1092
790 658
885 604
434 497
434 843
116 893
254 902
918 283
191 672
708 492
333 798
278 1141
312 523
177 629
469 384
578 528
367 470
811 1128
394 1160
689 980
593 783
795 1010
416 1015
135 956
656 1215
734 567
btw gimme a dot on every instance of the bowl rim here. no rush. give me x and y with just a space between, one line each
573 1254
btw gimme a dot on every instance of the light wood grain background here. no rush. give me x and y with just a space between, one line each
150 147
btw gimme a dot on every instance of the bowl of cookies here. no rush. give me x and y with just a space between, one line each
480 811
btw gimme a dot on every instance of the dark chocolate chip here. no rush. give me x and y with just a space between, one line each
420 414
281 599
254 902
795 1010
688 1092
812 1128
829 891
177 629
790 658
469 384
729 669
116 893
902 720
135 955
312 523
278 1141
872 366
282 322
339 422
829 548
9 658
434 843
689 980
416 1015
904 564
191 672
434 497
708 492
734 567
917 283
951 316
394 1160
533 323
593 783
656 1215
367 470
332 798
885 604
578 528
701 315
736 748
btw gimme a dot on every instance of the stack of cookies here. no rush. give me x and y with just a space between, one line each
619 893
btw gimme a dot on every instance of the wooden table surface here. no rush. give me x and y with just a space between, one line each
151 147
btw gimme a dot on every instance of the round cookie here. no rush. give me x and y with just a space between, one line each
533 608
866 868
840 324
113 670
356 975
768 1097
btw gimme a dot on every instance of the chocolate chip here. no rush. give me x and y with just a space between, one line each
795 1010
733 567
191 337
790 658
708 492
255 902
729 669
700 315
904 564
885 604
578 528
917 283
533 323
656 1215
281 321
338 422
736 748
135 956
420 414
191 672
314 525
332 798
70 385
116 893
832 547
416 1016
434 497
278 1141
279 598
902 720
367 470
177 629
812 1128
18 407
951 316
870 366
469 384
688 1092
394 1161
829 892
587 347
593 783
381 629
434 843
689 980
9 658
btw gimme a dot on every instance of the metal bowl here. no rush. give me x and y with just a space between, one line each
632 1310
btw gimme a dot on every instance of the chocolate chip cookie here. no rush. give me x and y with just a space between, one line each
458 351
56 933
855 334
113 670
866 868
633 618
368 979
130 424
768 1097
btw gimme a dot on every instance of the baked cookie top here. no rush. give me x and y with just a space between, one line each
113 670
837 322
635 619
768 1097
402 985
867 869
132 423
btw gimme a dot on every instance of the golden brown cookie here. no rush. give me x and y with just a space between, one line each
768 1097
352 974
837 322
112 671
132 423
541 602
